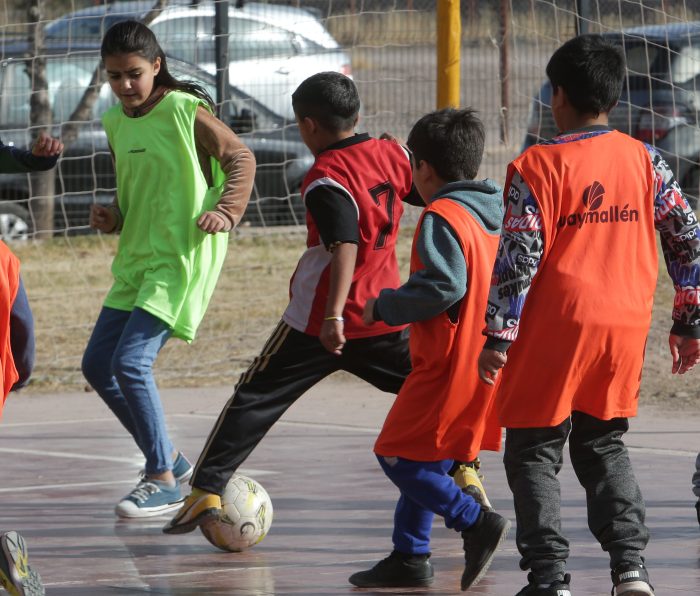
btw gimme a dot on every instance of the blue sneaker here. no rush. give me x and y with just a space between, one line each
182 469
16 576
148 499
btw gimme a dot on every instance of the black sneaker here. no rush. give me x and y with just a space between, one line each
559 588
631 579
398 570
480 544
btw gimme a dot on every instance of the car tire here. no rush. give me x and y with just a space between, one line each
15 223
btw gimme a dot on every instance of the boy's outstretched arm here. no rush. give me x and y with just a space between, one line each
336 219
22 336
680 241
518 258
43 156
440 285
342 269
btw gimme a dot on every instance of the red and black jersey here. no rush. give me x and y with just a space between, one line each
375 175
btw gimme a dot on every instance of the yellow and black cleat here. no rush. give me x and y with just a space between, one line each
467 477
199 508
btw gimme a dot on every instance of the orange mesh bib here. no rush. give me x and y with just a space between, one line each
586 318
443 410
9 282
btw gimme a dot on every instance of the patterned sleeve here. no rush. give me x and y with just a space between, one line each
519 253
678 227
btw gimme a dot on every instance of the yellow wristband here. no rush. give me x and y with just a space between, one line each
341 319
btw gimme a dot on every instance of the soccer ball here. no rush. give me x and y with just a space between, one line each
245 519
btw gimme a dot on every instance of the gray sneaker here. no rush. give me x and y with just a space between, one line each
631 579
16 576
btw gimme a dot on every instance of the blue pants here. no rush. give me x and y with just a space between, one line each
426 489
118 364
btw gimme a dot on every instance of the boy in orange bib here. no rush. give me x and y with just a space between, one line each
17 351
572 291
441 414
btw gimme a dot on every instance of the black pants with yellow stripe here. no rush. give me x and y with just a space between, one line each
290 364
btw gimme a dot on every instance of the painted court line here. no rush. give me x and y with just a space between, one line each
19 489
56 422
323 425
69 455
129 481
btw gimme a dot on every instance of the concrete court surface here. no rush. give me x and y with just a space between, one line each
67 461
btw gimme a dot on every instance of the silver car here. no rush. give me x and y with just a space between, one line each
272 48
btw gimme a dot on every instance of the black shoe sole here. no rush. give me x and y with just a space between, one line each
206 516
419 583
472 577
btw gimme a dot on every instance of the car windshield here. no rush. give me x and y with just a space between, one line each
67 81
83 28
69 76
686 65
657 61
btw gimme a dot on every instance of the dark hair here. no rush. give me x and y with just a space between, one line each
133 37
591 70
330 98
450 140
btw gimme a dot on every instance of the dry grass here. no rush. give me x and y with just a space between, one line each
68 278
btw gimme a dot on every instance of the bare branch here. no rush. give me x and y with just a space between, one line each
83 111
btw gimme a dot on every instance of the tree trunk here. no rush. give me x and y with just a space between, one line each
83 111
43 184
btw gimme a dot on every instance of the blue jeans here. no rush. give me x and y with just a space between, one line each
426 489
118 364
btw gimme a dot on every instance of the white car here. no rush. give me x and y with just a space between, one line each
272 48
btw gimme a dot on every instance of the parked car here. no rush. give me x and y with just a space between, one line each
660 99
272 48
85 173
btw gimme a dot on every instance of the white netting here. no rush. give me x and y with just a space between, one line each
387 45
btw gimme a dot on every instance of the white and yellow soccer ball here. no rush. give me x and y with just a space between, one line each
246 516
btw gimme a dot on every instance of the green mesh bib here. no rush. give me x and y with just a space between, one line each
164 264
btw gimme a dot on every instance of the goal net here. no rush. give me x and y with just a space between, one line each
387 46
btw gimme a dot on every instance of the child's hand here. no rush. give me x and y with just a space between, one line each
211 222
368 312
685 352
46 146
331 336
387 136
490 362
102 218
